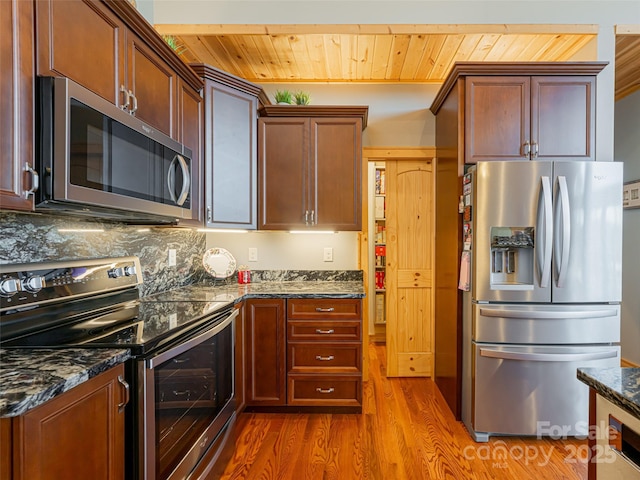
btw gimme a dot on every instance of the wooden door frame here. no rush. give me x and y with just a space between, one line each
378 154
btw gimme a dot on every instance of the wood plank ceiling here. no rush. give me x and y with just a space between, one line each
387 53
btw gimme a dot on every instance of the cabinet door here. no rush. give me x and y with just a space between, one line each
563 117
231 180
265 346
153 84
83 41
79 434
189 132
16 103
497 118
336 166
283 160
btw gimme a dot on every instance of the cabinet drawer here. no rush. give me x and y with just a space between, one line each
324 390
329 308
323 331
317 357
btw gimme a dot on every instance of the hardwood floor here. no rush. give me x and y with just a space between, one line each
406 431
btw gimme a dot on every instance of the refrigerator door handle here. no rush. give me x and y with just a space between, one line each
548 315
546 357
545 224
563 223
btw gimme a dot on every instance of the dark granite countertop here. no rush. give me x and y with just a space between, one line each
621 386
30 377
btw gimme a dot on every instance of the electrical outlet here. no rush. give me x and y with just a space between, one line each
253 254
172 257
328 254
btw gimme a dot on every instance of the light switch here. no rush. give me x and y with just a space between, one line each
172 257
253 254
328 254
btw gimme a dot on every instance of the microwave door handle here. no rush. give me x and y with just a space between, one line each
563 240
171 180
546 357
545 222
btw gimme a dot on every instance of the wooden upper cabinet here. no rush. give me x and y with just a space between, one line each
110 49
310 167
83 41
497 118
563 117
520 110
152 83
283 159
16 105
231 167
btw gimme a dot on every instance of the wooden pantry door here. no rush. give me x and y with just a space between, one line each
409 277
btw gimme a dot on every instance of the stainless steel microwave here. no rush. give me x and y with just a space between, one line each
96 159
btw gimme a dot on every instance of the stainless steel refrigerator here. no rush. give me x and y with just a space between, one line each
543 243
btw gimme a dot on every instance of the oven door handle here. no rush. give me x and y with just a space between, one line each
197 340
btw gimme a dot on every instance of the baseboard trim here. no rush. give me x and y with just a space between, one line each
628 364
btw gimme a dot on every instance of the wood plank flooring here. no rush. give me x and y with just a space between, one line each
406 431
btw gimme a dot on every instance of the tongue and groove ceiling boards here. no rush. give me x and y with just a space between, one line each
388 53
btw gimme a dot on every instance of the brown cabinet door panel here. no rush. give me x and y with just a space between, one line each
16 103
324 358
265 349
497 118
153 83
563 117
84 41
282 168
79 434
336 165
323 331
324 308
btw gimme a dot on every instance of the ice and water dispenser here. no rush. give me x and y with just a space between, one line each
512 258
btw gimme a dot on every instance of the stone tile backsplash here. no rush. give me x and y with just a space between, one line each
39 238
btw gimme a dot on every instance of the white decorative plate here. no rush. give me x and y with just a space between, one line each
219 263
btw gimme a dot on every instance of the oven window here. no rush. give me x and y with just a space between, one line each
191 390
108 156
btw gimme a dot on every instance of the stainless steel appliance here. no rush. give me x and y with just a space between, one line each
96 159
545 246
182 368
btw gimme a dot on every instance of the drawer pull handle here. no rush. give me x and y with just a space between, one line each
325 310
328 358
325 390
325 332
125 387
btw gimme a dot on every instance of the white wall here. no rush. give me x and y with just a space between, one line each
398 116
627 150
289 251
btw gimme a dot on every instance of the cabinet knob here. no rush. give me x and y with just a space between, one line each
325 310
534 150
127 98
526 149
35 180
125 386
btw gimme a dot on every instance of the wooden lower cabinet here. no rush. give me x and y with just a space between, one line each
303 352
78 434
265 352
324 352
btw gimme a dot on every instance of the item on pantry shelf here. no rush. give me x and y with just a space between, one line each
219 263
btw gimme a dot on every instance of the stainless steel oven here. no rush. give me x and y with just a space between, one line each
187 399
181 373
94 158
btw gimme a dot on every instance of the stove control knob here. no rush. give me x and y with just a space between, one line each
9 287
130 270
33 284
116 272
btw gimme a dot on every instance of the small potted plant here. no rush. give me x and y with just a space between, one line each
283 97
301 98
